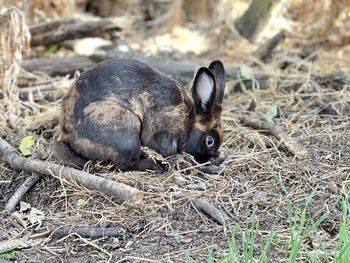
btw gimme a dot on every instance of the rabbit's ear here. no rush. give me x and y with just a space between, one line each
218 70
203 90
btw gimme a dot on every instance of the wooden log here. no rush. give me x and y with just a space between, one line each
74 30
182 71
58 66
49 26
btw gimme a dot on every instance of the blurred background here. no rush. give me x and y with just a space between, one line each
184 29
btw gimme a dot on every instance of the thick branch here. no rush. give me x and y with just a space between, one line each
181 71
74 30
265 49
90 232
49 26
120 191
58 66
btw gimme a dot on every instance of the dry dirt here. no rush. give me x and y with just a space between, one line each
257 180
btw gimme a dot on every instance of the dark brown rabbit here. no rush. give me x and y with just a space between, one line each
118 105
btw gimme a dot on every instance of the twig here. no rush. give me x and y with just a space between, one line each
121 191
265 49
287 142
21 191
5 261
204 206
38 88
94 245
9 245
90 232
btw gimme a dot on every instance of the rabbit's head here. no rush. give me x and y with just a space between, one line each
208 89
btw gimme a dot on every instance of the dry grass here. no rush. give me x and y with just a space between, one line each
261 182
256 184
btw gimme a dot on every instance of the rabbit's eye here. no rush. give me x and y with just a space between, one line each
209 141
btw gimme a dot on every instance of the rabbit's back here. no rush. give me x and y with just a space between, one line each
128 80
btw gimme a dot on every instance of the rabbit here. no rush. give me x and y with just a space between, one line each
119 105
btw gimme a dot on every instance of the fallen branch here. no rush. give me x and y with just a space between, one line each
49 26
324 107
10 245
285 141
90 232
203 205
265 49
120 191
182 71
73 30
58 66
21 191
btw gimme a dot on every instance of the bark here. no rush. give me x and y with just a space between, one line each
118 190
255 18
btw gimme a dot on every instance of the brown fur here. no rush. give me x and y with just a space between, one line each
119 105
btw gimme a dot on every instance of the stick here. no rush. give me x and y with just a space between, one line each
21 191
74 31
5 261
265 49
39 88
325 108
9 245
204 206
273 129
90 232
120 191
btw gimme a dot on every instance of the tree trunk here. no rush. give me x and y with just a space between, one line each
255 18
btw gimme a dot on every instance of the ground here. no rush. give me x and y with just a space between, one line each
255 187
286 197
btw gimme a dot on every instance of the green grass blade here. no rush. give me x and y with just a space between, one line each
297 237
263 256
